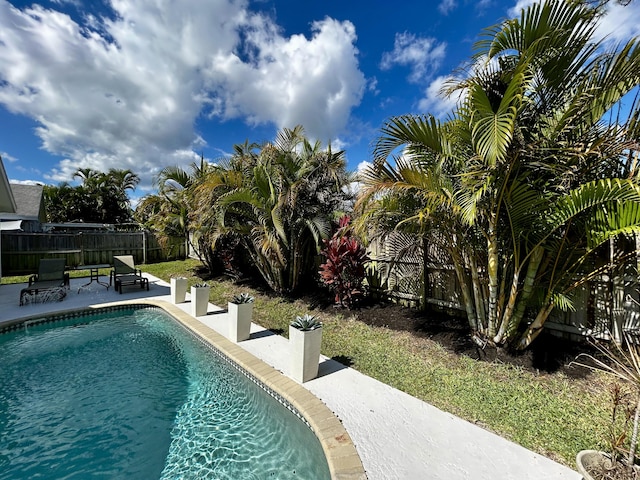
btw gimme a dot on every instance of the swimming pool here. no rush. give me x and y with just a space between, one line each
129 393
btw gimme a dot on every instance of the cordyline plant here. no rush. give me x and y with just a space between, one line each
621 362
344 269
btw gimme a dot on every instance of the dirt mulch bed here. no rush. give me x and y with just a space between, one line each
547 354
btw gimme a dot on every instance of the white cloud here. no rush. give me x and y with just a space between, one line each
372 86
516 10
422 55
618 25
25 182
362 166
7 157
434 102
314 82
125 91
446 6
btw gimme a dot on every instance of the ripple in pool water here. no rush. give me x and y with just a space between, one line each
130 394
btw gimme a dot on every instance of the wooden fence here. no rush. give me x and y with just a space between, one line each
22 251
605 306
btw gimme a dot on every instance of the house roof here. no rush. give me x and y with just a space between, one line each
29 201
7 202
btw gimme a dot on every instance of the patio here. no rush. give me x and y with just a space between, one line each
397 436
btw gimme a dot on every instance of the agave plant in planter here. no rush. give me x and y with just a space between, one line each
623 363
243 298
199 299
305 338
240 311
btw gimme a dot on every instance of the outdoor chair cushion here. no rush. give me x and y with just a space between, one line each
125 273
51 278
51 269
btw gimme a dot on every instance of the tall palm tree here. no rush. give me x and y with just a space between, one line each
169 212
284 204
525 181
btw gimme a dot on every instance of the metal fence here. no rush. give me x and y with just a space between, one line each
22 251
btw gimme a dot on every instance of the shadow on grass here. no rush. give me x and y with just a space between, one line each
344 360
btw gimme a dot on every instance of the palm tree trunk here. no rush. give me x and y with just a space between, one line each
464 287
508 311
535 328
478 293
634 437
527 290
492 272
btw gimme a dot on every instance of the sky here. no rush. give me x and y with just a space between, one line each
145 84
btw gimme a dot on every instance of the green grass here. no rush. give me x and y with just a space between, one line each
72 274
548 413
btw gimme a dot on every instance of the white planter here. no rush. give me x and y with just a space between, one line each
178 289
199 301
305 353
239 321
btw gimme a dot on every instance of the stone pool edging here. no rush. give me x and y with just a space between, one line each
342 458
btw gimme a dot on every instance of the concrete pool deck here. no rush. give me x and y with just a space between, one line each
396 435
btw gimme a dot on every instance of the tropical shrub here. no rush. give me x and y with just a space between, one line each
281 205
532 173
344 269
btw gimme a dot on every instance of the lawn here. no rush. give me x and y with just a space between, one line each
552 414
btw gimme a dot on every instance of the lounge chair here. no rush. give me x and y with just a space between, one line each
51 277
124 272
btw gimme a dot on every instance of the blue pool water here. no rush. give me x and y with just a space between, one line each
131 394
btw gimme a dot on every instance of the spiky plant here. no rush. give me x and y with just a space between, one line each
306 323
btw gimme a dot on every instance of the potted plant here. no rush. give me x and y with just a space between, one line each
199 299
623 363
305 338
178 289
240 310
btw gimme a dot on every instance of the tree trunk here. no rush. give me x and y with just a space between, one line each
478 293
508 311
464 287
492 272
536 326
634 437
517 304
527 290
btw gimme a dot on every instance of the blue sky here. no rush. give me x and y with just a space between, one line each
142 84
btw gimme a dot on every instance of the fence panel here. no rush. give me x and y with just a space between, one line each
22 251
605 306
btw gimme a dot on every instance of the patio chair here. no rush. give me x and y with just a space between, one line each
124 272
51 278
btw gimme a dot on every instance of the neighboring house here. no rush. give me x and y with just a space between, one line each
7 202
30 207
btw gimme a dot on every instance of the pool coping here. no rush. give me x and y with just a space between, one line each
342 458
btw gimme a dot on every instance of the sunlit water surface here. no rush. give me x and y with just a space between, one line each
130 394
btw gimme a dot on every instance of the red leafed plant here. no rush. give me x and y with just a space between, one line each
344 268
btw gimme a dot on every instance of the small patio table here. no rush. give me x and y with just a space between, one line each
94 275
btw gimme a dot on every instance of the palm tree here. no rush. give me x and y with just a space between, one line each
168 213
526 180
282 204
108 191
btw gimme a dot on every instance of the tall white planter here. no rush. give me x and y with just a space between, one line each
305 353
239 321
178 289
199 301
